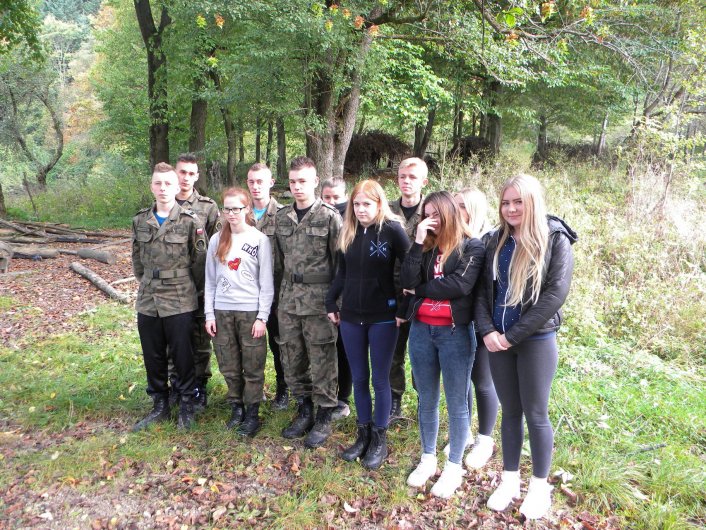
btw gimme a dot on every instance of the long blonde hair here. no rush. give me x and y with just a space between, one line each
225 240
477 209
532 238
374 192
451 230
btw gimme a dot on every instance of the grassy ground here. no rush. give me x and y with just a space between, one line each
630 429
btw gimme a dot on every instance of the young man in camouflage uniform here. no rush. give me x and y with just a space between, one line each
207 211
265 208
168 244
411 178
306 234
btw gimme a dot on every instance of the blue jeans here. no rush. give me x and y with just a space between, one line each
444 351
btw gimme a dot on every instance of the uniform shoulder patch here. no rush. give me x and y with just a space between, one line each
144 210
202 198
331 208
190 213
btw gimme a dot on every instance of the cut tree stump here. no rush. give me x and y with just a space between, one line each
6 252
99 282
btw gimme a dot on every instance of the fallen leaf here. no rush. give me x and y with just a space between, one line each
218 513
350 508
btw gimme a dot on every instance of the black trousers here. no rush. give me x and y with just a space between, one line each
156 333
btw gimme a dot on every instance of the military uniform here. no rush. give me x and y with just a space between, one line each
165 261
305 262
208 214
397 372
266 225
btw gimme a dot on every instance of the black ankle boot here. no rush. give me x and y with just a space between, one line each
302 422
160 412
281 400
251 424
185 420
377 450
200 397
360 445
321 429
236 415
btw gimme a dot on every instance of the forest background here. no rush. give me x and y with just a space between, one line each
604 100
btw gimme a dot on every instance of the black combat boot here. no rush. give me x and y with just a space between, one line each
200 397
281 400
321 429
236 416
360 445
396 407
185 420
251 424
160 412
302 422
377 450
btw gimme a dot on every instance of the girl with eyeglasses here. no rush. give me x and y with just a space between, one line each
238 296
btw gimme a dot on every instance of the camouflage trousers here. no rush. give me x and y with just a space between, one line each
309 358
201 345
241 358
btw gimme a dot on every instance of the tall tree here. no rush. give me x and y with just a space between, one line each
157 87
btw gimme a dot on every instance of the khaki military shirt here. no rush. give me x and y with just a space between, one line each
305 257
165 261
207 211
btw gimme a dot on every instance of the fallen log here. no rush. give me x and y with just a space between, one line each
99 282
29 252
123 280
6 252
90 253
113 243
23 230
23 239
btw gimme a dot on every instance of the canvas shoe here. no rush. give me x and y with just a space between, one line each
450 480
508 489
423 472
538 500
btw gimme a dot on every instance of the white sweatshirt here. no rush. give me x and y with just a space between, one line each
245 281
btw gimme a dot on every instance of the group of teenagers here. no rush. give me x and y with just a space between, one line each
342 285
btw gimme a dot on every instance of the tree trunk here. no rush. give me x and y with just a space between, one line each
258 131
156 79
542 137
268 148
338 114
197 132
281 149
600 148
229 129
3 209
493 131
474 119
422 134
241 146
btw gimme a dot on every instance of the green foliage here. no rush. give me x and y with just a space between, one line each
19 24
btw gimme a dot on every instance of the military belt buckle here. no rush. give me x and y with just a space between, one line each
297 278
155 274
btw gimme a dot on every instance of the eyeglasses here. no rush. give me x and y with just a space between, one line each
235 210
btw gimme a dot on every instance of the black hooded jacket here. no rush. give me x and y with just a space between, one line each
545 315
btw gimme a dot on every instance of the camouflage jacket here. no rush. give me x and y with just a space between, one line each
165 260
305 257
207 211
266 223
410 226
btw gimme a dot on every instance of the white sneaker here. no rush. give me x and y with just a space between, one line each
450 480
538 500
469 442
508 489
480 454
423 472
